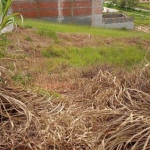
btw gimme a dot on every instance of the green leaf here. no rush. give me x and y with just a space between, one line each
5 18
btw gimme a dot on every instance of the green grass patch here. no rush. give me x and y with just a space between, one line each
122 55
28 38
22 78
118 55
143 5
54 52
58 56
1 54
49 28
3 42
49 33
47 94
140 17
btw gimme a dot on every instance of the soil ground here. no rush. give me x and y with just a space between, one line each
88 99
145 29
28 44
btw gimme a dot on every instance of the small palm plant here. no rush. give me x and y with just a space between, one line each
6 19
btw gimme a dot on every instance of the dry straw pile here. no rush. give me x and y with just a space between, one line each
108 112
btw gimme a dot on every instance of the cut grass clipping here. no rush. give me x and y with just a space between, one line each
107 112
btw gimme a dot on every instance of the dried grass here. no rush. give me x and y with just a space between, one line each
109 111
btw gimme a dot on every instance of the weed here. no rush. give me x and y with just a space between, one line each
28 26
18 78
1 54
49 33
23 79
52 52
28 38
46 93
3 41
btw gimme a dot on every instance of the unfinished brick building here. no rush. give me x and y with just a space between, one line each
87 12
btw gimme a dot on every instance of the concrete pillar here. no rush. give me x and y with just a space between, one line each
60 11
97 8
71 9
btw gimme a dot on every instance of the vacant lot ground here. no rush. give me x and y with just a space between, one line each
69 87
44 61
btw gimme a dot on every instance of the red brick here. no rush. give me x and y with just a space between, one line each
49 8
66 12
30 14
28 6
65 4
15 6
82 11
48 13
48 5
82 4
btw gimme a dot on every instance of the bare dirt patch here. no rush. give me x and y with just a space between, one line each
145 29
78 40
88 40
28 41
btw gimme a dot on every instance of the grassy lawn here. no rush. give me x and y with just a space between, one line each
140 17
120 55
54 48
49 28
143 5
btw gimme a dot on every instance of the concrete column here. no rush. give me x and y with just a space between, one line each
71 8
60 11
97 8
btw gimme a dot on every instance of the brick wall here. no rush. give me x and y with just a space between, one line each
59 9
52 8
36 8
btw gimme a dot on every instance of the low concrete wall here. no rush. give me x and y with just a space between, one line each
117 21
126 25
113 15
